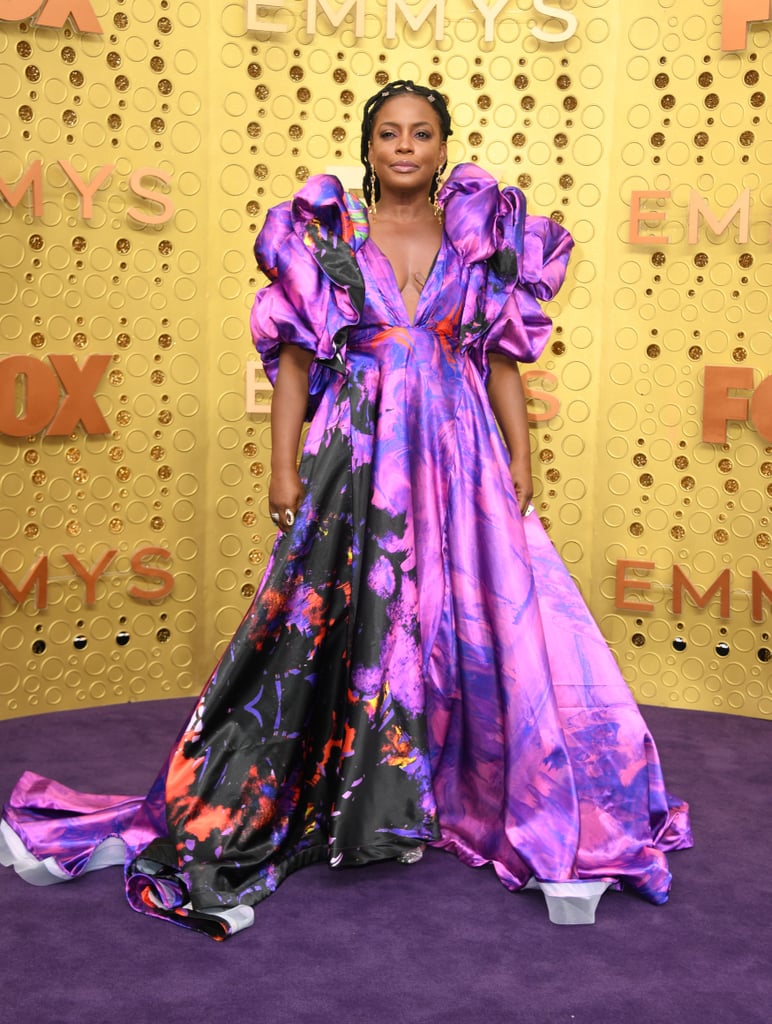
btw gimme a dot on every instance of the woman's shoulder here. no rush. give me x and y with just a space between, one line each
481 217
471 179
489 222
322 190
324 199
322 207
472 174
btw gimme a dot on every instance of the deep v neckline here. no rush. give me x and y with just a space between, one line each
395 283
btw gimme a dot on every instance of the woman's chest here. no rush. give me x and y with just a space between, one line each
415 292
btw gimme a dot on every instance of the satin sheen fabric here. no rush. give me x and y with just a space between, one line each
417 665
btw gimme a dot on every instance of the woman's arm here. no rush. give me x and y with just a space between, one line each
507 398
288 409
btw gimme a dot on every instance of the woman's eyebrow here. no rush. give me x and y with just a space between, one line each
395 124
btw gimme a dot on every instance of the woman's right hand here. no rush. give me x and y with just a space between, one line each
288 407
285 494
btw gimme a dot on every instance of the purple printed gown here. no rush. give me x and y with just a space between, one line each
417 666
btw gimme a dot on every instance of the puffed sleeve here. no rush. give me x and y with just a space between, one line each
316 290
515 261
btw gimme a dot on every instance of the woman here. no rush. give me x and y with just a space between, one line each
417 666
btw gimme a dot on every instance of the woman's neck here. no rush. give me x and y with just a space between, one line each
404 207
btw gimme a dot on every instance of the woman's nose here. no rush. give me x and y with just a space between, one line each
405 142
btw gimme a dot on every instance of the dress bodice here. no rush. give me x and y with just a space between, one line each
331 287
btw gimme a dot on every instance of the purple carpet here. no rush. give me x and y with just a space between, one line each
436 943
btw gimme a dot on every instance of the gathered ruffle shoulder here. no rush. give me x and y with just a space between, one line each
516 261
306 249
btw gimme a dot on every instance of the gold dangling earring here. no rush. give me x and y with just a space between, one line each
437 186
372 208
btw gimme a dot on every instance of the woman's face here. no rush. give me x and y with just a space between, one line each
406 147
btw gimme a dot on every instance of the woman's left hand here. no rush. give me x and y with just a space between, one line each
507 397
520 471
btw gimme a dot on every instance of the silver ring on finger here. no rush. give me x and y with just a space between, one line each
289 515
275 517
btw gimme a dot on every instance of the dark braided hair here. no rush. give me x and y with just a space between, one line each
374 104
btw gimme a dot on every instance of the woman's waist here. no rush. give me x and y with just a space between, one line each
381 340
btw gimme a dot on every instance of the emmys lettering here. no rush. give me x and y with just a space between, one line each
736 16
38 576
52 13
719 407
698 210
30 397
335 16
32 181
721 587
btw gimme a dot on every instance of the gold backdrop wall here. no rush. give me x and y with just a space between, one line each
142 143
